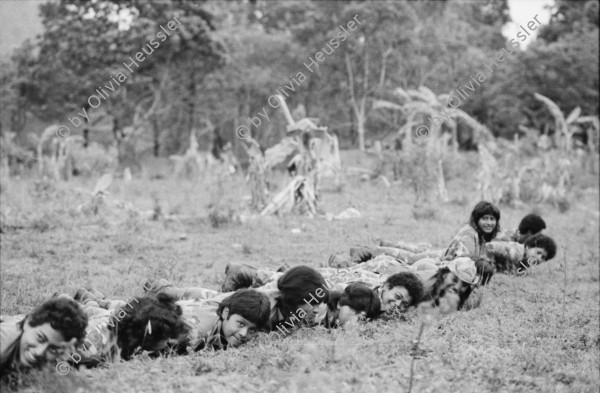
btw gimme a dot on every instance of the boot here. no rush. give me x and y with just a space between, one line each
361 254
339 261
62 295
156 285
88 298
97 293
239 276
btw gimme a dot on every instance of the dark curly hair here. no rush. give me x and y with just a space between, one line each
64 315
411 282
531 223
250 304
359 297
485 268
301 283
481 209
542 241
158 313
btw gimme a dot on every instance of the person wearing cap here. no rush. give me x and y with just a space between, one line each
459 276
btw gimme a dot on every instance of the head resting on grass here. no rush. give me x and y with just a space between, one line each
356 302
148 322
303 289
457 279
243 314
401 291
50 329
539 248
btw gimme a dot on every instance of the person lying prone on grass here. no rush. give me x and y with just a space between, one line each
145 323
220 324
395 292
456 279
40 338
460 276
355 303
483 227
513 257
306 299
286 294
171 324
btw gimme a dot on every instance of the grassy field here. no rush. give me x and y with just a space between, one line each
538 333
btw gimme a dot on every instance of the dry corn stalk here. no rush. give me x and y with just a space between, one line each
314 151
486 176
299 192
191 156
256 173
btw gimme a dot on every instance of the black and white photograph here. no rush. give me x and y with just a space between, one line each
299 196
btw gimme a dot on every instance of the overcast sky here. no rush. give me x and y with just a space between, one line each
521 12
19 20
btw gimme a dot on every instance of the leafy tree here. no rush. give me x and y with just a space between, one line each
562 64
570 16
85 46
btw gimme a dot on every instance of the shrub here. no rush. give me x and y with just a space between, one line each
93 161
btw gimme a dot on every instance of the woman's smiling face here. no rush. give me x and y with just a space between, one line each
394 298
487 223
39 344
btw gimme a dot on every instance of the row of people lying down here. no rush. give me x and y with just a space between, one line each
376 280
89 329
510 251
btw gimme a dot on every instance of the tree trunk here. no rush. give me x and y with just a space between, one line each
353 134
359 111
192 101
360 131
156 136
117 132
86 127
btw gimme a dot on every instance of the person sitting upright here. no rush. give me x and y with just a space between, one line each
484 225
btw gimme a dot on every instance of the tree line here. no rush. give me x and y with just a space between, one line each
226 59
